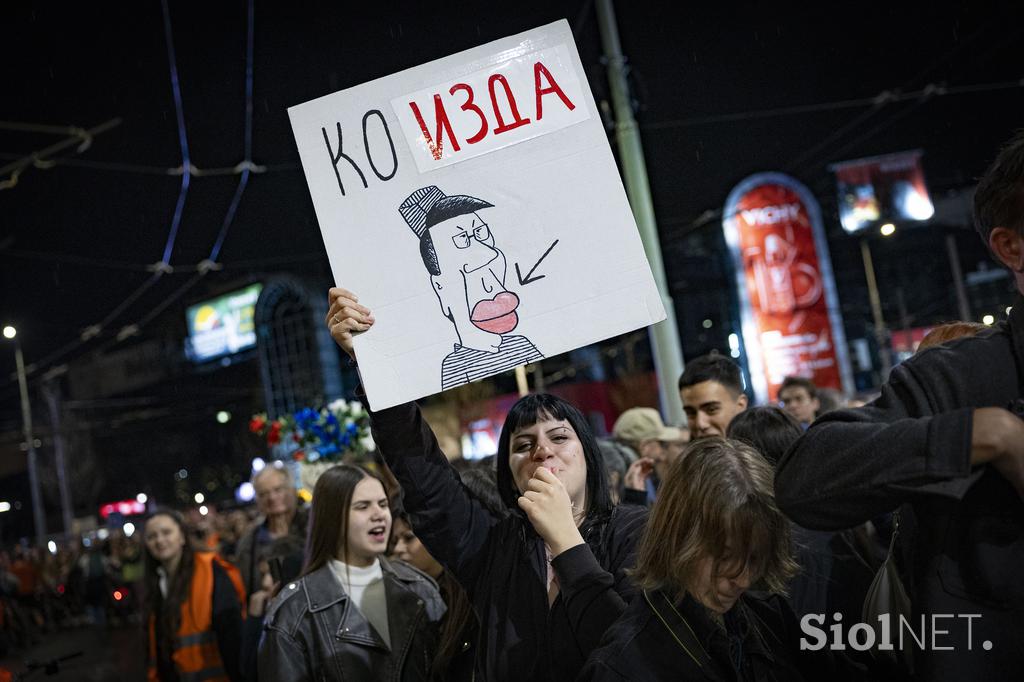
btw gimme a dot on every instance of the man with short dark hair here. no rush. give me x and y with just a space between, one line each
711 389
944 440
799 397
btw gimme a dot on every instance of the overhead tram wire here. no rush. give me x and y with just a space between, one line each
210 263
38 158
158 269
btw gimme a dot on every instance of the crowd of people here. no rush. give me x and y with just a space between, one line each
777 542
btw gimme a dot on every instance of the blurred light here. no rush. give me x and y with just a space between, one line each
988 319
87 542
142 498
917 206
103 533
52 546
258 464
887 229
223 417
129 529
708 324
182 473
10 332
1008 309
60 588
5 506
246 493
199 498
118 595
734 345
203 510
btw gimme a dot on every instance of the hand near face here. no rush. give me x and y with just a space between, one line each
346 318
549 509
638 473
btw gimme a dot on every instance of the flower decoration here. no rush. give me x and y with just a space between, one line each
330 433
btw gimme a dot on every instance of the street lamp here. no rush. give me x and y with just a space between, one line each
26 419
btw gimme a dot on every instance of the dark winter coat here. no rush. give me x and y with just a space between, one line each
502 564
912 447
756 641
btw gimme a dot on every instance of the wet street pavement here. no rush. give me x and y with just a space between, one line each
114 655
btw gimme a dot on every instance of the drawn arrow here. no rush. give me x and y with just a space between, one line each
526 280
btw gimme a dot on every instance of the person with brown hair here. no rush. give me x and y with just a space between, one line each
353 614
714 532
950 331
799 397
194 605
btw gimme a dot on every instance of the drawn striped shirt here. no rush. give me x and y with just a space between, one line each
469 364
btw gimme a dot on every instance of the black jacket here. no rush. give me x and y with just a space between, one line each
657 639
912 446
313 632
502 565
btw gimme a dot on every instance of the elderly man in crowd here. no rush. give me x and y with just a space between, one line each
280 532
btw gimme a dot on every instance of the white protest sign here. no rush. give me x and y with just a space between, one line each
473 204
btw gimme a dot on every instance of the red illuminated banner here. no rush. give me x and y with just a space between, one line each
124 508
788 305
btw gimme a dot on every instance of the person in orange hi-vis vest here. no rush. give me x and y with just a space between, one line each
194 606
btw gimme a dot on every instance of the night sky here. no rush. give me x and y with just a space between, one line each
715 85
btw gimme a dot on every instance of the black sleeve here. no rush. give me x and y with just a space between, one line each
252 630
227 623
452 524
635 497
594 597
852 465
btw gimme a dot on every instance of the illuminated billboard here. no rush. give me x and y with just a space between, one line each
223 325
788 306
882 189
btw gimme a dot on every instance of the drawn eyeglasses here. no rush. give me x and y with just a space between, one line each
481 233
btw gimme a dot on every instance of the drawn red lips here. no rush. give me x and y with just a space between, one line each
497 315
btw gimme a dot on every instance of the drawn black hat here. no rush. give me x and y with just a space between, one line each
429 206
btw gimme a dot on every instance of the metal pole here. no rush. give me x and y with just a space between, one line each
521 384
958 278
664 336
53 399
876 309
33 471
908 335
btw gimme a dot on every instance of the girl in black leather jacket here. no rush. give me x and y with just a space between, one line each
353 615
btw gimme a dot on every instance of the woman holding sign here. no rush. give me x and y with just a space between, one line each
547 580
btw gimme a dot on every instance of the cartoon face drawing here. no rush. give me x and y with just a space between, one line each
467 274
471 283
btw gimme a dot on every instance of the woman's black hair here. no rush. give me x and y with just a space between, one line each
769 429
531 409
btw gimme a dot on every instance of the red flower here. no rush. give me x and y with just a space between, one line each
297 438
298 455
274 435
257 423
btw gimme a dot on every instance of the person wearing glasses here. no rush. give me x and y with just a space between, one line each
467 274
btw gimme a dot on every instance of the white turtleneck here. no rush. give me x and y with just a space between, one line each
365 586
